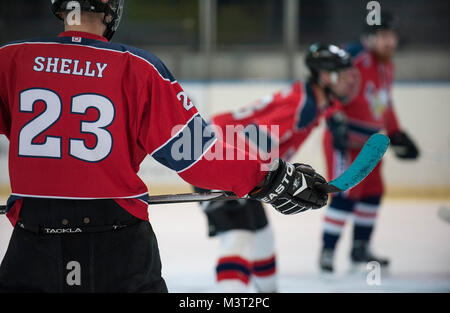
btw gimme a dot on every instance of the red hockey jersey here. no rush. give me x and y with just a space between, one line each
81 114
370 109
285 118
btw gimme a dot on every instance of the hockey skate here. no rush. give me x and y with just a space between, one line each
326 261
361 256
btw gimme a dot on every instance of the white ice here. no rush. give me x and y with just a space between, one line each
409 232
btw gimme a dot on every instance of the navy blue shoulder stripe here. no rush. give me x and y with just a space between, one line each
354 48
14 43
147 56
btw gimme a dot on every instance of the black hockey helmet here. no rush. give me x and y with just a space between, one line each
388 21
326 57
113 10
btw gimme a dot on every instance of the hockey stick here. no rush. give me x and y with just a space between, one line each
369 156
180 198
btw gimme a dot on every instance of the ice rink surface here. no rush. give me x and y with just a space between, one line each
409 232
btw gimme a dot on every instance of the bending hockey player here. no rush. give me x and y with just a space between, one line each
369 110
247 249
81 113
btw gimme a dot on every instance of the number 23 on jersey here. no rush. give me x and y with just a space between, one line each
52 145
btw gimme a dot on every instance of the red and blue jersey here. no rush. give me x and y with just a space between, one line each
293 111
370 109
81 114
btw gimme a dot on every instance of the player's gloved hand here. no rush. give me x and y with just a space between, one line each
338 126
290 188
403 146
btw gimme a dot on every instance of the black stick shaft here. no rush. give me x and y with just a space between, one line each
197 197
180 198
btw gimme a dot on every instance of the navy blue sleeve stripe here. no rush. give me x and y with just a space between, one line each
309 110
187 146
260 137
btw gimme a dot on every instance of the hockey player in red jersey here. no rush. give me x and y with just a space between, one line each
280 122
81 113
351 122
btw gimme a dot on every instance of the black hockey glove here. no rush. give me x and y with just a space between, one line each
403 146
337 124
290 188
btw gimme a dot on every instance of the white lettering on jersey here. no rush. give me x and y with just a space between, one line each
39 67
101 68
69 67
65 63
52 63
75 69
88 67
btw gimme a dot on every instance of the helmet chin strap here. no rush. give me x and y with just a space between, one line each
107 20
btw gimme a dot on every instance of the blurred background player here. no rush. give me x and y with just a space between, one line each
247 250
350 122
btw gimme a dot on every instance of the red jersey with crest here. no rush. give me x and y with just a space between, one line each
81 114
370 109
284 119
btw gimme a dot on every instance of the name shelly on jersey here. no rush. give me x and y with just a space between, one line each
69 67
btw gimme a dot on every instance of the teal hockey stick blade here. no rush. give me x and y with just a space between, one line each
369 156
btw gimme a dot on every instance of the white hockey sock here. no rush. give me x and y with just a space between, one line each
234 265
264 266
